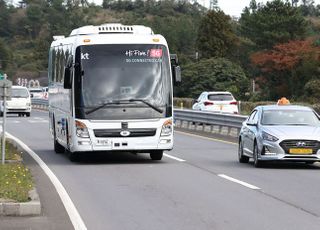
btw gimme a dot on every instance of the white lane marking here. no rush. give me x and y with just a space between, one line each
73 213
206 138
239 182
38 121
30 121
174 158
38 118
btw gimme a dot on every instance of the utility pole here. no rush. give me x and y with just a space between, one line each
213 5
5 93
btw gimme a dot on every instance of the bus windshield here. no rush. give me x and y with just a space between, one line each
123 81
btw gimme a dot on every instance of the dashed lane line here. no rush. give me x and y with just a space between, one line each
23 121
239 182
174 158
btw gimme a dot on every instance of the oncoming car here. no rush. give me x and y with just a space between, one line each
36 93
218 101
20 102
280 133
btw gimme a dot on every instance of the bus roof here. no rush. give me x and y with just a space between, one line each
110 34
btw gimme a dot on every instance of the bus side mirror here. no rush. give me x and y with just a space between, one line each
176 70
67 84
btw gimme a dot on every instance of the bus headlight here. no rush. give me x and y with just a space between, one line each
166 128
82 130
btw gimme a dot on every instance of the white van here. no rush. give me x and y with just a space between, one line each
20 102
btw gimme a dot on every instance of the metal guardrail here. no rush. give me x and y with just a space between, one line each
39 103
226 124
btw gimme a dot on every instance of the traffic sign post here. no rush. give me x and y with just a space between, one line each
5 93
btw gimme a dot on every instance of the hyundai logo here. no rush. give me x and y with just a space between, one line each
125 133
301 144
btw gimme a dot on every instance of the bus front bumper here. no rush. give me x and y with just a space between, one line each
123 144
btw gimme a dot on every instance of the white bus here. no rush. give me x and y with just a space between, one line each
110 89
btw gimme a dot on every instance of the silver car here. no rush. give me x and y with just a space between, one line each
280 133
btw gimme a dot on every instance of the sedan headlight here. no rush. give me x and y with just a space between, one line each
268 137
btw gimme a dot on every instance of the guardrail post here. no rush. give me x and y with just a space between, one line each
234 132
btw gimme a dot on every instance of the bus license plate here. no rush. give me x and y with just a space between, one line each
104 142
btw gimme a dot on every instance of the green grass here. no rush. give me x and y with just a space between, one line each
11 152
15 179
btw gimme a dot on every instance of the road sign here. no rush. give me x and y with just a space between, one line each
1 76
5 84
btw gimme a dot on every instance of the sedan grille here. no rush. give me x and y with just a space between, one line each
117 132
301 144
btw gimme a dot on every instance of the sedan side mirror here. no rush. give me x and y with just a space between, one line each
252 124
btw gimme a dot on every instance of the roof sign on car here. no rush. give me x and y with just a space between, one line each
283 101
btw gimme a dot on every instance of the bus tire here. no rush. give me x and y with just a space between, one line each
73 156
156 155
58 148
28 114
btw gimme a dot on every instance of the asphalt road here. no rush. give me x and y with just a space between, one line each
125 191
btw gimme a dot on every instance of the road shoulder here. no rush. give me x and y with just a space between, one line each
53 216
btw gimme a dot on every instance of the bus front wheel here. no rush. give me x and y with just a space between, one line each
156 155
73 156
58 148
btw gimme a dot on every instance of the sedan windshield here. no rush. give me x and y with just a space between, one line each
289 117
19 93
123 82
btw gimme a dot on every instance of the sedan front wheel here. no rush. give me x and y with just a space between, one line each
242 158
256 162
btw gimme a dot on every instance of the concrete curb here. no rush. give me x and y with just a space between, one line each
31 208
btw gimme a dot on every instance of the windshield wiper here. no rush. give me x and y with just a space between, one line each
302 124
148 104
117 102
114 102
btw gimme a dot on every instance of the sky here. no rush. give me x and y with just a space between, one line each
230 7
235 7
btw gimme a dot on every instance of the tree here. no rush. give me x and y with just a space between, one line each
287 67
216 37
273 23
5 55
4 19
214 74
308 8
